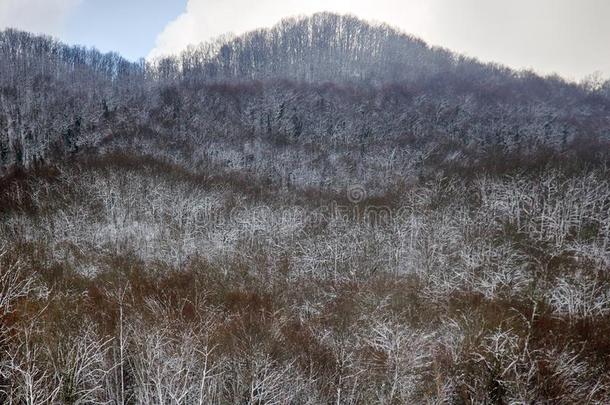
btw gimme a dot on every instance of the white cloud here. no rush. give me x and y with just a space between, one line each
38 16
565 36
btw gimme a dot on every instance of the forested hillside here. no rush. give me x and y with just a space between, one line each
326 211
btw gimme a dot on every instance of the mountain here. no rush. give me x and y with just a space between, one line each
296 78
325 211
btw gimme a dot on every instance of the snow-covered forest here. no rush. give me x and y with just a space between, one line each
326 211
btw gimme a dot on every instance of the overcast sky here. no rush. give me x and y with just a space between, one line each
569 37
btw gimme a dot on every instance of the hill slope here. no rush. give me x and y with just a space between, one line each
321 212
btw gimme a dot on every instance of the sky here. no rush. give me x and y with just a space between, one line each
567 37
129 27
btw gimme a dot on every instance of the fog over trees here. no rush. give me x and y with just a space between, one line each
326 211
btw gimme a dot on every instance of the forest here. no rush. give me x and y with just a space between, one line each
325 211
